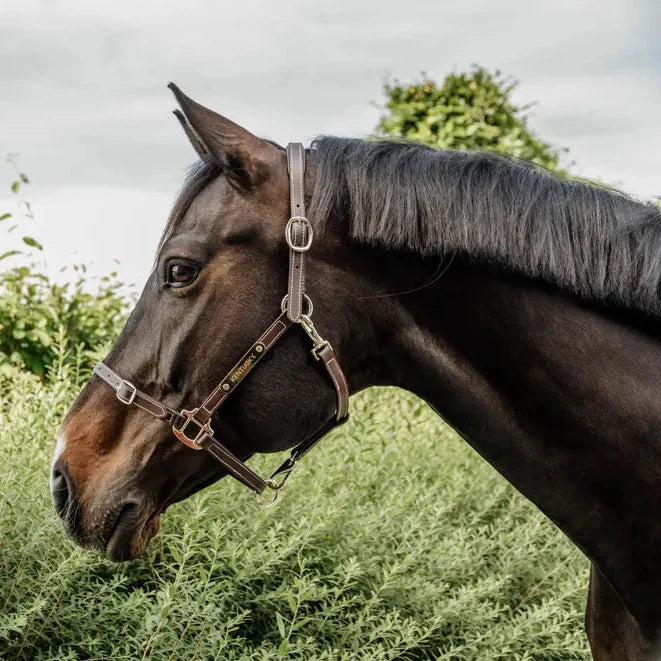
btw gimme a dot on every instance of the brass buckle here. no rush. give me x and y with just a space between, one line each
202 429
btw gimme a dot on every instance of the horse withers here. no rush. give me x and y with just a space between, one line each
523 308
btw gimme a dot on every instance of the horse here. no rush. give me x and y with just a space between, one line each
522 307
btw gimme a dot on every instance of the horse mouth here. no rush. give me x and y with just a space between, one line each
131 533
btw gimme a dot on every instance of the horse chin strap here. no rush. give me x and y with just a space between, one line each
193 426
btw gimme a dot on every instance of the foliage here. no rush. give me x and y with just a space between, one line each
470 111
10 223
36 313
393 540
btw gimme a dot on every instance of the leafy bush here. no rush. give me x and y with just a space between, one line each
36 313
393 540
469 111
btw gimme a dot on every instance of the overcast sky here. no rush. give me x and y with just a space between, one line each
84 98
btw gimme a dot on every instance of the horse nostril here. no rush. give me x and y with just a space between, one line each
60 486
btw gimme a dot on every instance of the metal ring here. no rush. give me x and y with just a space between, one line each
285 299
274 493
288 237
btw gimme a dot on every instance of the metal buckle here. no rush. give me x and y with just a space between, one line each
283 472
132 389
203 429
288 233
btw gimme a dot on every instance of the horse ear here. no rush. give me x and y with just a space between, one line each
246 158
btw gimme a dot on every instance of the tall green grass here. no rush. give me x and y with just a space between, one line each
392 541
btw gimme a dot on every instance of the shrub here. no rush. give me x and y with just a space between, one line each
36 313
470 111
393 540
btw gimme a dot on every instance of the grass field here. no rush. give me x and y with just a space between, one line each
394 540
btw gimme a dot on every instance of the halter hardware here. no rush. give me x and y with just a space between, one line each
298 235
188 419
132 392
291 238
318 342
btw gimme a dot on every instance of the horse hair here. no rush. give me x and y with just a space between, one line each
595 242
592 241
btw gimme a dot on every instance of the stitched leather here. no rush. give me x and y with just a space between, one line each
327 355
299 239
243 367
141 399
233 464
299 230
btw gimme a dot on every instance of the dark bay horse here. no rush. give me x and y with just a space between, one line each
523 308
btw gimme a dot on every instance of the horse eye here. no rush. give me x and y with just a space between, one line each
180 274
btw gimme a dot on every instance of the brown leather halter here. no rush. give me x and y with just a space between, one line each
192 426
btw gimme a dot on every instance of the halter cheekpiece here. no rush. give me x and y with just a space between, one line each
193 426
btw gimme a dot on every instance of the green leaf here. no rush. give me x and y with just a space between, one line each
16 186
41 336
4 216
283 648
32 242
281 624
292 602
9 253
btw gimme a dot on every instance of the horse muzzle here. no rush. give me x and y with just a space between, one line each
121 527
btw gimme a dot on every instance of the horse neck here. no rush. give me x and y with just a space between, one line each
560 398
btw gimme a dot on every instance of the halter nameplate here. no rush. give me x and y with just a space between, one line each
192 426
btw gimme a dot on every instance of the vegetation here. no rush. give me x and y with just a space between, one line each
469 111
37 314
393 540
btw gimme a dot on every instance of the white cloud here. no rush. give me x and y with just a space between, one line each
84 98
105 228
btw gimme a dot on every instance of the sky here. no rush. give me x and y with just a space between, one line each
84 100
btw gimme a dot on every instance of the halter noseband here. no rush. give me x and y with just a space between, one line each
192 426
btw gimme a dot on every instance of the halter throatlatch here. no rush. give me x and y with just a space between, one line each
193 426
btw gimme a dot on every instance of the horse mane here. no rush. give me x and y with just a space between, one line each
595 242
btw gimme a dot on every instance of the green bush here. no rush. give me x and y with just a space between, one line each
392 540
469 111
38 317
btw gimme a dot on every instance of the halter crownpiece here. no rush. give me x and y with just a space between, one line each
193 426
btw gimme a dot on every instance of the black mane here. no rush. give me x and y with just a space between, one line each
596 242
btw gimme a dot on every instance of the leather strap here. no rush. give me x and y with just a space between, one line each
298 232
196 421
127 393
243 367
326 354
234 465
